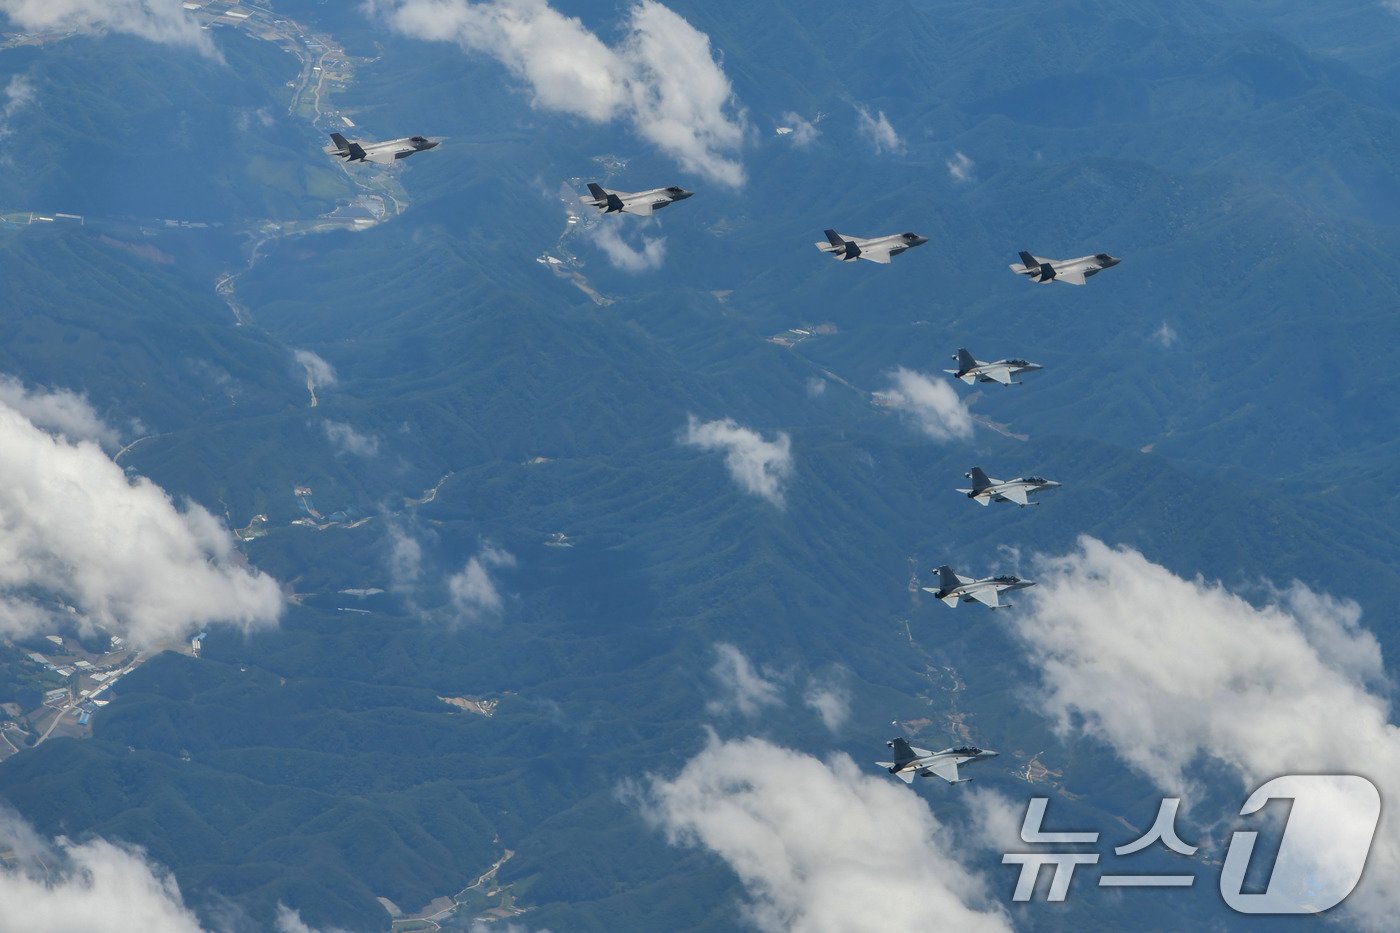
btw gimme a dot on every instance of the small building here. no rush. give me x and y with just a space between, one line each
55 639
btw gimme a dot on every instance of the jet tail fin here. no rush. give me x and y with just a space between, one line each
980 480
947 580
835 239
341 143
597 191
1029 261
965 360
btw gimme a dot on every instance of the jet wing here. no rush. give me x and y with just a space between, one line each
1016 495
1073 278
906 776
987 597
951 599
640 207
980 500
881 256
999 374
380 156
946 768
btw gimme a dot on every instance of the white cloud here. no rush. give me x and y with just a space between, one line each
19 94
1165 335
931 404
92 885
802 132
72 526
995 821
289 921
820 845
59 411
879 131
164 21
960 167
830 698
346 440
757 465
405 557
743 689
319 373
623 255
662 76
816 388
1169 670
474 594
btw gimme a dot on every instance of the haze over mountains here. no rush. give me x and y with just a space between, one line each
737 612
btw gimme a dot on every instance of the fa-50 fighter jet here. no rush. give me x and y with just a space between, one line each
953 588
971 370
1073 271
985 489
877 249
910 761
384 153
633 202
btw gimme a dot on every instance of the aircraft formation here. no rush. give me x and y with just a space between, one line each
384 153
910 761
952 588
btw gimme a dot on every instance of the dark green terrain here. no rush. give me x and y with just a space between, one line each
1242 162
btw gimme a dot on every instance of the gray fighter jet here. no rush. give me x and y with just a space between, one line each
877 249
971 370
385 153
953 588
910 761
1073 271
986 490
633 202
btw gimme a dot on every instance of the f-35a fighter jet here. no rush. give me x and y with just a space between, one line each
1073 271
877 249
953 588
971 370
385 153
633 202
986 490
910 761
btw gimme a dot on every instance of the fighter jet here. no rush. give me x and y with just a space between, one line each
633 202
384 153
971 370
877 249
986 490
953 588
1073 271
910 761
